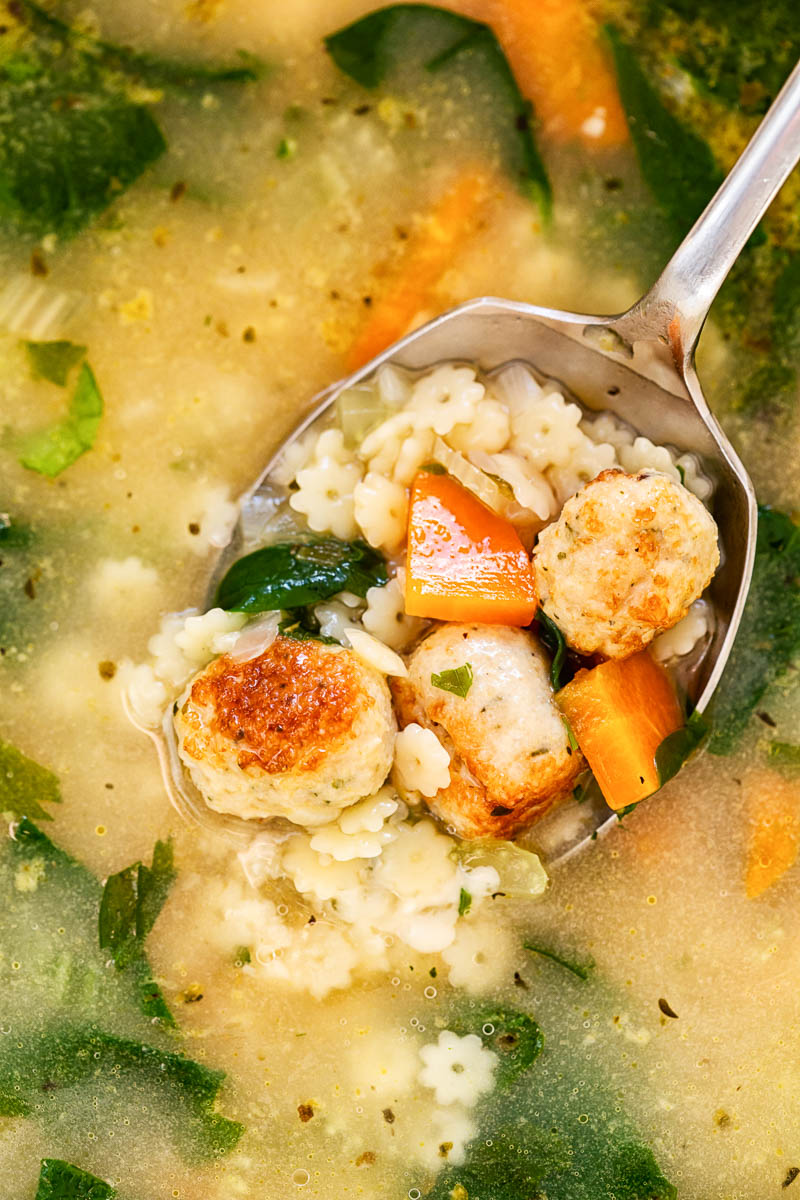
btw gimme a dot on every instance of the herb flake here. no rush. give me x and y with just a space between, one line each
457 680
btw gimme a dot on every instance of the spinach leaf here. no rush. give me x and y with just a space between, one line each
784 754
759 310
24 785
514 1037
59 1180
141 66
61 900
76 145
302 626
295 574
13 535
768 641
52 450
53 361
387 44
37 1069
74 131
580 970
675 749
740 53
507 1162
131 902
457 680
632 1173
554 642
676 164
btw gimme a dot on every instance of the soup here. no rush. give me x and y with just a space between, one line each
205 240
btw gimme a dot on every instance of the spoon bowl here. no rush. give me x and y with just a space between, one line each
639 366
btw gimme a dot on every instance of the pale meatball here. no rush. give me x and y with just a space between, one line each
510 757
302 731
624 560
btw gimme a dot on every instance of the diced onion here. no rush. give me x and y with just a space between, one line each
36 310
521 872
376 654
359 410
255 638
495 494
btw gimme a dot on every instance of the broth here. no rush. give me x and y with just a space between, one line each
219 294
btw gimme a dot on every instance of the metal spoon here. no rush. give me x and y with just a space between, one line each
640 366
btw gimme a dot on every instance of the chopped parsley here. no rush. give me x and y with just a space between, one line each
457 680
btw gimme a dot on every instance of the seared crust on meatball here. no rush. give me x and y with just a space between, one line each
302 731
624 560
510 757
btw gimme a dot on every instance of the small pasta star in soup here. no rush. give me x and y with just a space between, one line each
624 561
510 752
301 731
459 1069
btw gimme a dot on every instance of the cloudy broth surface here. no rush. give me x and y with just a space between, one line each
215 297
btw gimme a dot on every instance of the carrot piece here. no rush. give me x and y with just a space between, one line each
560 64
465 563
620 713
774 836
430 252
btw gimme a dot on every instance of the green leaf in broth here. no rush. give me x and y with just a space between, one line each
578 969
389 43
131 902
680 745
290 575
507 1162
37 1069
739 53
74 130
676 164
55 886
513 1036
784 754
768 641
60 1180
53 361
67 162
25 785
142 66
13 534
52 450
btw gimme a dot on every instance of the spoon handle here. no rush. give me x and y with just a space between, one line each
675 308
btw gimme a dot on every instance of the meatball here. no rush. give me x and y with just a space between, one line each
302 731
624 560
510 757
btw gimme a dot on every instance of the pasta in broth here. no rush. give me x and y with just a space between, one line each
370 986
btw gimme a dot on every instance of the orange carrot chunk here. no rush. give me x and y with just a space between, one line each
620 713
431 250
560 63
465 563
774 837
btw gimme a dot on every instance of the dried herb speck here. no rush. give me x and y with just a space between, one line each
667 1008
